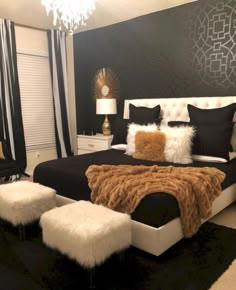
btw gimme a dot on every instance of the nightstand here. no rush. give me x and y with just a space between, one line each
93 143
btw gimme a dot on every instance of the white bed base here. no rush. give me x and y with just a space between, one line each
157 240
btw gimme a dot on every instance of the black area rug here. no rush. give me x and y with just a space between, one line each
192 264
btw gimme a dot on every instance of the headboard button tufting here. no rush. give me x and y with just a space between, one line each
173 109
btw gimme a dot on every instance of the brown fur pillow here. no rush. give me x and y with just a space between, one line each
1 151
150 145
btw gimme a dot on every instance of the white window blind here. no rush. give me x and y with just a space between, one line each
36 100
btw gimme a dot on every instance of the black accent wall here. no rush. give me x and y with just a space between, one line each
185 51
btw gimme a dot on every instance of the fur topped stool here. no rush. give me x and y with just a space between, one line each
86 232
23 202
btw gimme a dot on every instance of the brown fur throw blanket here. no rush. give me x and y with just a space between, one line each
121 188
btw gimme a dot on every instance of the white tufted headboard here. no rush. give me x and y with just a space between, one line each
175 109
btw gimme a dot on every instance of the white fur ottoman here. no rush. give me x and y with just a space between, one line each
23 202
86 232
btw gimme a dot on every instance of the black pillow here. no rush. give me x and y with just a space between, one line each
178 123
120 131
212 140
211 116
144 115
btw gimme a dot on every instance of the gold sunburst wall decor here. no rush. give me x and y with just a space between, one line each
106 84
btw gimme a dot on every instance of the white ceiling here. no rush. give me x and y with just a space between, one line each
32 13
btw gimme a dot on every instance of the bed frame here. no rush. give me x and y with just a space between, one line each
157 240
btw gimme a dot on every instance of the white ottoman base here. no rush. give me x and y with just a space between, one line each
86 232
23 202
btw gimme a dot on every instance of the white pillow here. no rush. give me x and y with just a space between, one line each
119 147
178 146
132 130
205 158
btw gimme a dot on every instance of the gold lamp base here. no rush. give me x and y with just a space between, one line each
106 128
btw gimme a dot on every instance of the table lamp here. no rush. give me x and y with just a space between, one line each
106 106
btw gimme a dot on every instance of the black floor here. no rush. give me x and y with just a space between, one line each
192 264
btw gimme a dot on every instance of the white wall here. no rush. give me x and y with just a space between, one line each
35 41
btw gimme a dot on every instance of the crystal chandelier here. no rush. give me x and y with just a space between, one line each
69 13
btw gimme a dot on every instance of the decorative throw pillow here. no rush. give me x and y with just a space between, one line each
215 116
120 131
132 130
150 145
198 138
144 115
213 140
178 147
211 116
1 151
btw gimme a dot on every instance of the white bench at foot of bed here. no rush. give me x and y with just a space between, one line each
157 240
23 202
86 232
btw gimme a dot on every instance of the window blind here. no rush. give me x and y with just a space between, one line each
36 100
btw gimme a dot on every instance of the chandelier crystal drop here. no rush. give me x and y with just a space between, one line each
69 13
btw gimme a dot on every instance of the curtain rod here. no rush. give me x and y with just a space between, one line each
31 27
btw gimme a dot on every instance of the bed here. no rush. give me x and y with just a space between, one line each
155 222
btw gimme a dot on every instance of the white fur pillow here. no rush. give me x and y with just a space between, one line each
178 143
132 130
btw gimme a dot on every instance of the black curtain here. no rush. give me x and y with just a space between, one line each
58 67
10 104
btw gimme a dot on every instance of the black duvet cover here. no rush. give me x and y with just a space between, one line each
67 177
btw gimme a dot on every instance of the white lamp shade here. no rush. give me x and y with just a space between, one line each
106 106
